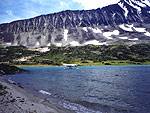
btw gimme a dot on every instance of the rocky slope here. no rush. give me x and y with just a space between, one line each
127 21
6 69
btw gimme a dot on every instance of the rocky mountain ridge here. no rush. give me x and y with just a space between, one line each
127 21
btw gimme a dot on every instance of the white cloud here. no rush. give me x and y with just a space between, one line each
11 16
10 13
41 2
63 4
31 13
93 4
38 1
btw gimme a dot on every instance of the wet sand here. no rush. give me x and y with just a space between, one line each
14 99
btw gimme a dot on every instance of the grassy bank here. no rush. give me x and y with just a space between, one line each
85 55
90 63
37 65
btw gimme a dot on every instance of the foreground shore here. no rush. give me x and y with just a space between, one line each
13 99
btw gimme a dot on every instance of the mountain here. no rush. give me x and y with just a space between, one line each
127 21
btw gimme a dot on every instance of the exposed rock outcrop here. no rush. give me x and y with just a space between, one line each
6 69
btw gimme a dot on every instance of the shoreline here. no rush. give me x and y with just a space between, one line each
79 65
15 99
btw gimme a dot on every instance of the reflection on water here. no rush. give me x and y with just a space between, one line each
102 88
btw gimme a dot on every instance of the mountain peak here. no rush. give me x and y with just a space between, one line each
139 3
140 7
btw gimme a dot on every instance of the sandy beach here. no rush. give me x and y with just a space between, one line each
14 99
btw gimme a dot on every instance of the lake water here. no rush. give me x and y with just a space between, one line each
106 89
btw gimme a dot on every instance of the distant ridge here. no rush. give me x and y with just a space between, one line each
127 21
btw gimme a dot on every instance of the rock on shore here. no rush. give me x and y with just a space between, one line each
6 69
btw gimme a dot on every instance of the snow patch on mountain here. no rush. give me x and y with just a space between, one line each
147 34
37 43
139 29
96 30
126 27
74 43
44 37
134 39
85 29
124 8
59 44
131 28
147 2
65 34
110 34
94 42
135 6
124 38
49 44
8 44
139 3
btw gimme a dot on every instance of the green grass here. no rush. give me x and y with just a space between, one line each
113 62
85 55
36 65
91 63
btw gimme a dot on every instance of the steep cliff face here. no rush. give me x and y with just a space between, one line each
127 21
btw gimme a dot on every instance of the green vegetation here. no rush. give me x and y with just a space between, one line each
8 54
84 55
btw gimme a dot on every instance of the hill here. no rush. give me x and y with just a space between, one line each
119 54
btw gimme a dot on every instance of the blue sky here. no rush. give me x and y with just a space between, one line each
11 10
